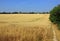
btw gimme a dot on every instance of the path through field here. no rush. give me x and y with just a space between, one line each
54 37
54 33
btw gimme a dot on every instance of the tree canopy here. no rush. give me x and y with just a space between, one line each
55 15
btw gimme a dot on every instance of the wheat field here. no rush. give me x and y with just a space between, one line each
25 27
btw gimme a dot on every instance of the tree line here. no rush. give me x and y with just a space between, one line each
24 12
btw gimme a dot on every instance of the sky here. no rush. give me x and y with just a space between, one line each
27 5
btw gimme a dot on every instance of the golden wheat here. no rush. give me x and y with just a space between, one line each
25 28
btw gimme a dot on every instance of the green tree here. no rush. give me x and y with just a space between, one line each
14 12
55 15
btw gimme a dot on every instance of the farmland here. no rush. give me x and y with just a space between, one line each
25 27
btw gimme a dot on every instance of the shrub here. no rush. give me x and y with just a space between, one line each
55 15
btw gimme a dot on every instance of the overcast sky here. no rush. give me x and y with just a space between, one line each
28 5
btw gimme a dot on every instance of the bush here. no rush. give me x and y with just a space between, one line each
55 15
